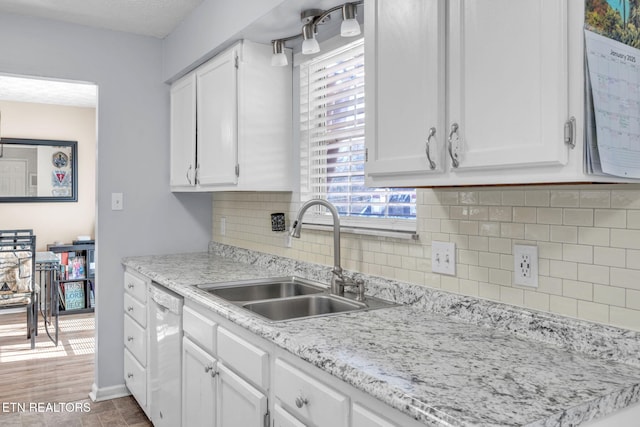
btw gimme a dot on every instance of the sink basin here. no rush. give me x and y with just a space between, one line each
304 306
286 298
264 289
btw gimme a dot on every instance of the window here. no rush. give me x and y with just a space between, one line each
332 148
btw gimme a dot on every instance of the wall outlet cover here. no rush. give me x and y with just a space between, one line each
443 258
525 265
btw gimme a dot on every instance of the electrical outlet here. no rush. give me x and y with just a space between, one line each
525 265
443 258
223 226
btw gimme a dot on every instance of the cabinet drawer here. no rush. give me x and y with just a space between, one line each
363 417
308 398
199 328
135 378
245 358
135 309
134 340
136 286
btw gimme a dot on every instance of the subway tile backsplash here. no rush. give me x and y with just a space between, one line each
588 244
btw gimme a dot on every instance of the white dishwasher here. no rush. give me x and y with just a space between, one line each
165 356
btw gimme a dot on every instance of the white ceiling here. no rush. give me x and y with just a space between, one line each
39 91
156 18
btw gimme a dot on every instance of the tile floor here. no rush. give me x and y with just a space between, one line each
50 373
110 413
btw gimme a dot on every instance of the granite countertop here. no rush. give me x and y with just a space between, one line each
442 359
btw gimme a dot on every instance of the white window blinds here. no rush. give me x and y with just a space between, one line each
332 148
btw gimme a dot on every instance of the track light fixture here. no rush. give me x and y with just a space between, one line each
279 59
311 19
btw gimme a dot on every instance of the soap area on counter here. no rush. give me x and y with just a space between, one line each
438 359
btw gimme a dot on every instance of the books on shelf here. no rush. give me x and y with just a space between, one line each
72 266
92 297
73 295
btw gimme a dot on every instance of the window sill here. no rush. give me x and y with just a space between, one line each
406 235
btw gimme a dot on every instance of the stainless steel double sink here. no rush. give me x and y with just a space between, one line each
286 298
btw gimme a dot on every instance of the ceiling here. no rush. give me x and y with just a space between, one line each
156 18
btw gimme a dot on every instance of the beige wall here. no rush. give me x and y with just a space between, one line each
53 222
588 239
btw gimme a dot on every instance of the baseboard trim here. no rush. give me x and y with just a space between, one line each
107 393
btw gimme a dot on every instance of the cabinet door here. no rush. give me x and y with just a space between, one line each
239 403
508 82
281 418
405 65
183 132
198 386
217 108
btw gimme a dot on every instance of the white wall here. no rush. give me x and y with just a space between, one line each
207 30
132 158
63 221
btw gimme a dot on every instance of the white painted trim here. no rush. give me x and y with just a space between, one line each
108 393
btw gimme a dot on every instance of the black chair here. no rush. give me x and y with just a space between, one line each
17 275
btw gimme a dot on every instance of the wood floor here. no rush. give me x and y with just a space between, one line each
49 386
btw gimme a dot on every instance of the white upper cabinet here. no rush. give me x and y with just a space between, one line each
405 65
217 113
500 104
508 85
183 132
231 124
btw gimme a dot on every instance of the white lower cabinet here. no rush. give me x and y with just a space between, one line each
135 377
308 398
224 377
198 386
136 337
231 377
238 403
281 418
363 417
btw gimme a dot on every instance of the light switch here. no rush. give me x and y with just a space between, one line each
117 202
443 258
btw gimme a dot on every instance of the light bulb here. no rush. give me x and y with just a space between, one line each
350 26
310 44
279 60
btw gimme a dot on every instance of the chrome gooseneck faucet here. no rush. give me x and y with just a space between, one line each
338 281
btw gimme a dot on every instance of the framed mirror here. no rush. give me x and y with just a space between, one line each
38 170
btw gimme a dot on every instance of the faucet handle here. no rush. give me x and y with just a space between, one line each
358 283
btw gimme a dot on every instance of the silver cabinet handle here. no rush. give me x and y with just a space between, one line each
432 133
454 157
209 369
188 177
301 401
130 308
129 338
130 286
129 375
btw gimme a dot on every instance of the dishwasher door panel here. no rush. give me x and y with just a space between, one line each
165 357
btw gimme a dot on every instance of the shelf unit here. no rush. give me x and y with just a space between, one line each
77 283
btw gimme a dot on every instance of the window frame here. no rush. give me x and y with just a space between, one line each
392 226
